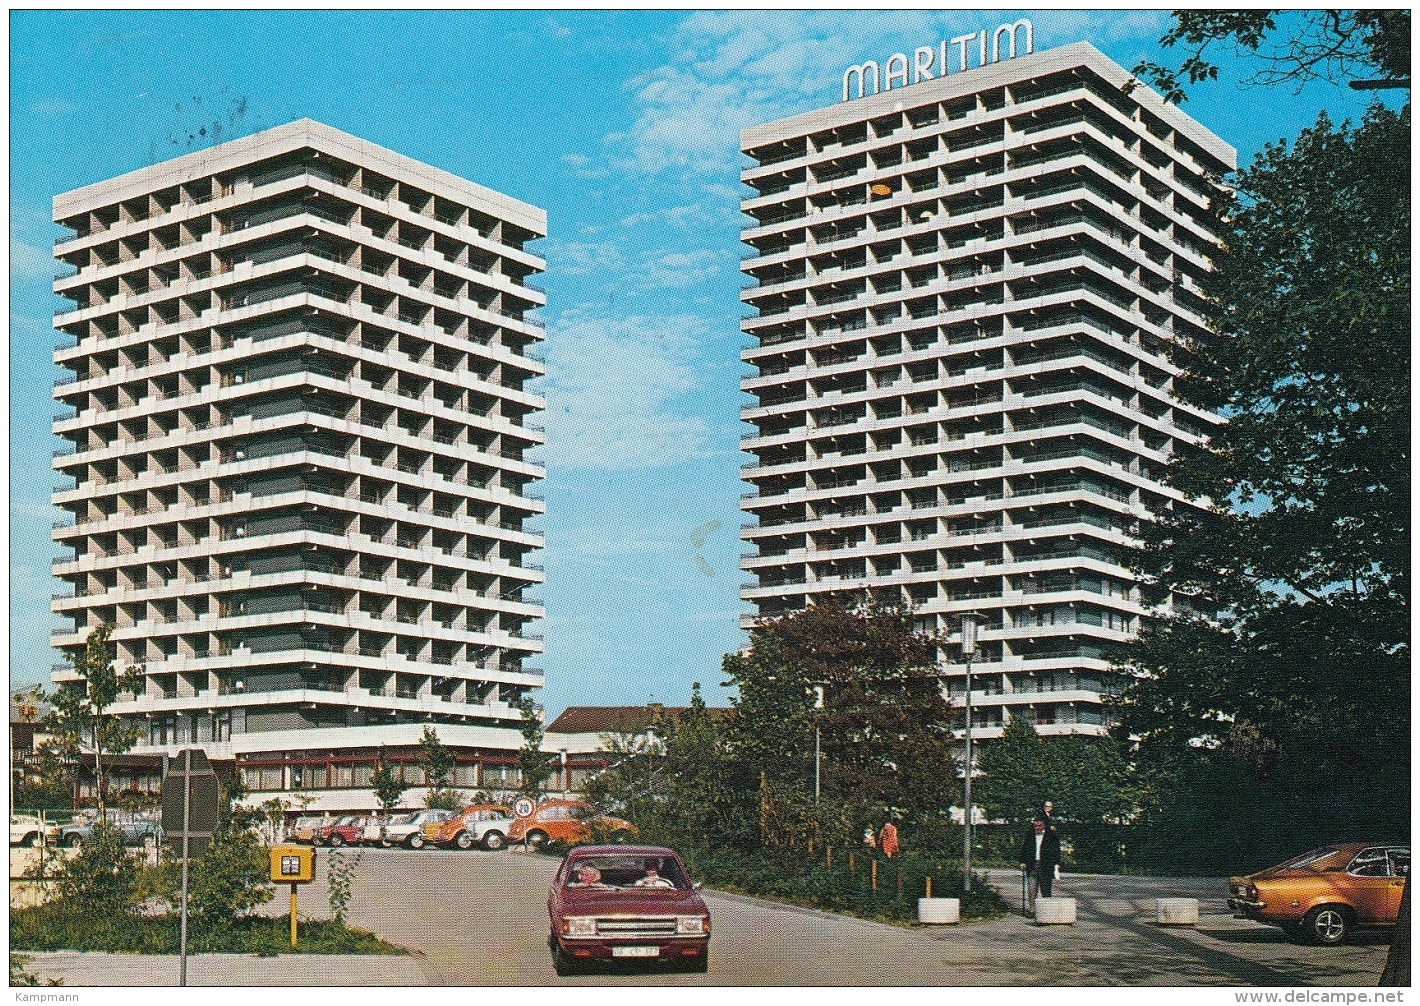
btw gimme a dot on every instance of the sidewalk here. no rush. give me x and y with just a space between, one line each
90 969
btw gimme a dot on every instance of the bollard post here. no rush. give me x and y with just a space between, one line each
929 887
875 876
851 865
829 862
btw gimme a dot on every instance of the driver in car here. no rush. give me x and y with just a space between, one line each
652 879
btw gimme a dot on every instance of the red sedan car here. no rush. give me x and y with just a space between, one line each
345 831
626 902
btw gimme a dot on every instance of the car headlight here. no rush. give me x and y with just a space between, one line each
692 925
579 927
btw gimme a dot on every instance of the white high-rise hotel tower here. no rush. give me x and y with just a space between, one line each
965 289
299 418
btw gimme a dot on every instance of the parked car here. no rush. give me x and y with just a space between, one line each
483 824
626 902
344 831
303 829
1322 895
135 831
403 829
568 821
25 829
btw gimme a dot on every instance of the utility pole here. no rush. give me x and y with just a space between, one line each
968 647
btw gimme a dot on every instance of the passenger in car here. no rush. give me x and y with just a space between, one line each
587 876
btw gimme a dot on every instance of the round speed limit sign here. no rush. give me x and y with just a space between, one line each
523 807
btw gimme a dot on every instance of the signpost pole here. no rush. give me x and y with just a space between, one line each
293 915
968 648
186 824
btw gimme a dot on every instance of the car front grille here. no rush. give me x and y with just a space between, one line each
636 928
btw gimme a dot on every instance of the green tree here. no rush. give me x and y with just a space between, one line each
386 782
1289 646
702 807
1013 780
884 727
534 763
1327 44
81 721
1087 778
438 763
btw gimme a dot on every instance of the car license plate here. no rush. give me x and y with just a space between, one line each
635 951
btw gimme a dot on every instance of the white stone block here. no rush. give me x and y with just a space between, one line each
1055 911
1178 911
939 911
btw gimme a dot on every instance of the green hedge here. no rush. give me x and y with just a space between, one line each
790 875
59 926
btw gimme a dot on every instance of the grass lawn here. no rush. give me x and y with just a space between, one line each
56 926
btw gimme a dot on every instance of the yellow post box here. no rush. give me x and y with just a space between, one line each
294 865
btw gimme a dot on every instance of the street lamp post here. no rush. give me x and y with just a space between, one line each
818 750
968 648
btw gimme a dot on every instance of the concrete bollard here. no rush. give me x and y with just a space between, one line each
1055 911
1178 911
939 911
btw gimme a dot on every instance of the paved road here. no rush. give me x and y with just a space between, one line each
478 918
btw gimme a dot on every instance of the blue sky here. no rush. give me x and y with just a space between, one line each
622 125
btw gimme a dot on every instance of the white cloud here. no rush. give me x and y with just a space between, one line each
28 262
676 216
576 160
677 270
579 258
733 69
612 388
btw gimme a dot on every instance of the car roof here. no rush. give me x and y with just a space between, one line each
623 850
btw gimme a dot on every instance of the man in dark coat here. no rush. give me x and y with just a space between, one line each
1040 853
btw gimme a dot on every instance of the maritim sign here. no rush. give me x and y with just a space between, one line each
926 59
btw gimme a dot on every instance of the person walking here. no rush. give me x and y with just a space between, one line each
1040 854
887 840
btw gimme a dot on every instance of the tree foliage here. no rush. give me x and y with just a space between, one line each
229 879
534 763
438 763
884 727
81 722
386 783
1293 47
101 878
1087 778
1286 670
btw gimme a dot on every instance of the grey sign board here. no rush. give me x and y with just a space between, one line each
203 793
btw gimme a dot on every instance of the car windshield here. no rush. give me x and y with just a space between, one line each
345 820
638 873
402 819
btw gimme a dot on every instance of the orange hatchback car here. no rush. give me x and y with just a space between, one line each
1321 895
570 821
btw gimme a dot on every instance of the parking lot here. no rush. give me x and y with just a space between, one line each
479 918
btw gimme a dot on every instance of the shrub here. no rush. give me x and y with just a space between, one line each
230 879
340 874
101 877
